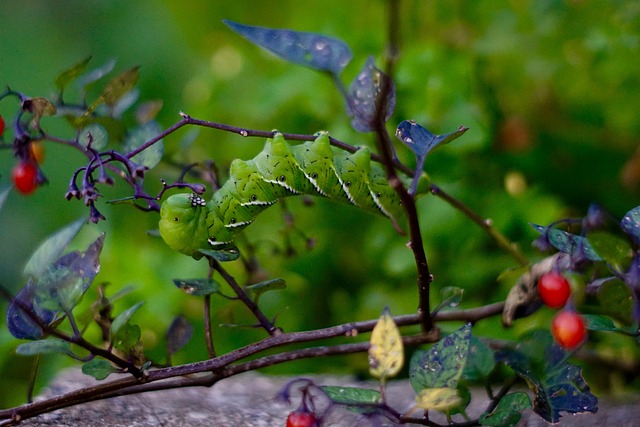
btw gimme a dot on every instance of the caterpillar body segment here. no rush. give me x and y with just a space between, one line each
188 224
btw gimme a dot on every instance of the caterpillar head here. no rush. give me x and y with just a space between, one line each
183 223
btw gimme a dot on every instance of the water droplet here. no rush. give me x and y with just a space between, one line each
244 133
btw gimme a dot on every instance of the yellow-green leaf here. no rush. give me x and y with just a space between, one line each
72 73
440 399
386 352
120 85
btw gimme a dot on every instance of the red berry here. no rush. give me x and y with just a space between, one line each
25 177
301 419
554 289
1 125
569 329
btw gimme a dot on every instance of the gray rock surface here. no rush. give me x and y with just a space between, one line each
250 400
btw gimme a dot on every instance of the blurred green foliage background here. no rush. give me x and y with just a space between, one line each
549 90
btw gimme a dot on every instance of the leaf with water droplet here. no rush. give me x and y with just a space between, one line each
364 93
386 351
558 386
568 243
443 364
630 224
451 296
309 49
226 255
421 142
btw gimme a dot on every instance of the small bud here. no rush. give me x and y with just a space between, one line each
94 215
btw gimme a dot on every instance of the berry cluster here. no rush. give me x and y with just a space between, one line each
568 326
26 174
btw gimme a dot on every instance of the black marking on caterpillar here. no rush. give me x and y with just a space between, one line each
188 224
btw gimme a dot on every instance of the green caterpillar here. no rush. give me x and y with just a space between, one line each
188 223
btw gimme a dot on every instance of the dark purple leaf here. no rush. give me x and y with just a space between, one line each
557 385
421 142
62 286
631 224
179 333
596 218
364 92
443 364
309 49
20 324
572 244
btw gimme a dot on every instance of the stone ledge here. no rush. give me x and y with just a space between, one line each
248 400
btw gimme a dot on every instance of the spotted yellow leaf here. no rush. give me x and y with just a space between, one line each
439 399
386 352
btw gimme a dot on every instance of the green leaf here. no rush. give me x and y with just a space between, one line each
120 85
152 155
616 300
67 76
613 249
351 395
51 345
98 369
480 362
558 386
222 256
51 249
197 287
630 224
596 322
127 337
123 318
360 400
309 49
443 364
94 134
508 412
268 285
